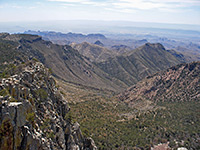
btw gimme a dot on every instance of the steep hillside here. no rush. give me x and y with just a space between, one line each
9 56
34 115
65 62
94 52
177 84
139 63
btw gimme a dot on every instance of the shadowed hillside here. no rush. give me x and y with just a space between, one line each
139 63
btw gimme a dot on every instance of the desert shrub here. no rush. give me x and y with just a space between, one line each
70 117
42 94
30 117
4 92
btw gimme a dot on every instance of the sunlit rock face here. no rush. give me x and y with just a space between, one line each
34 115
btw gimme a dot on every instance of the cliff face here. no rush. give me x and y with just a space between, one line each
34 115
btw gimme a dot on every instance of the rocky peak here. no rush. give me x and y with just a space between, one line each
154 45
34 115
99 43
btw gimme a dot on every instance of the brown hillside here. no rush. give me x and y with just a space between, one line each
179 83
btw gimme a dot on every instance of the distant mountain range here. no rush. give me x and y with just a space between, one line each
61 38
126 42
108 70
68 38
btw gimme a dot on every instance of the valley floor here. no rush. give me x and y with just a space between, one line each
113 125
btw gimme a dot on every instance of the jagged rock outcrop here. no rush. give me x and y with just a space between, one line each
34 115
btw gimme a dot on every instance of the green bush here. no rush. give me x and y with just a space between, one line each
4 92
30 117
70 118
42 94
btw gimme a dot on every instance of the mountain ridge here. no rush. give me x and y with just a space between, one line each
95 52
139 63
177 84
65 62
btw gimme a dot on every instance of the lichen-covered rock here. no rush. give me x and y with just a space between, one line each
32 113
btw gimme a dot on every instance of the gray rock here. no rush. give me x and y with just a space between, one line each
31 120
182 148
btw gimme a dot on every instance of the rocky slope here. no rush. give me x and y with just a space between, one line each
34 115
93 51
176 84
139 63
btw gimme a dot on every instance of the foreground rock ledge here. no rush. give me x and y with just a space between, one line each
34 115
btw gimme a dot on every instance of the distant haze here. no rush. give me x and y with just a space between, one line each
159 11
90 26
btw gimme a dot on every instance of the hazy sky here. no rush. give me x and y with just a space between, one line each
163 11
